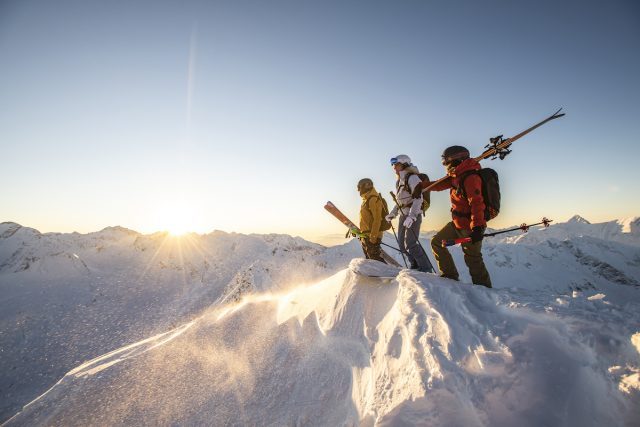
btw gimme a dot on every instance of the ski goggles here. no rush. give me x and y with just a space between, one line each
450 159
394 161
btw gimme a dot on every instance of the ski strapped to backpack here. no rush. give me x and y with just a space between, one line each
498 148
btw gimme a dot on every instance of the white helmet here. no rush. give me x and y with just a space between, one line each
402 159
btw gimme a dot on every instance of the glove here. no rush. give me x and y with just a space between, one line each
358 234
374 241
389 217
477 234
408 222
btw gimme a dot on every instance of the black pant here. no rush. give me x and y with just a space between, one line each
372 250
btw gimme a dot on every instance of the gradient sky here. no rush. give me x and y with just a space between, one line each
248 116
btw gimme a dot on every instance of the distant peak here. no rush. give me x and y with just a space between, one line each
8 229
118 229
578 219
9 224
630 225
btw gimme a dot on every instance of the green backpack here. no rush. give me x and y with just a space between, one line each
426 196
384 224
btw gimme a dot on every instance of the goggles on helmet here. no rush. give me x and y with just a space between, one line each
393 161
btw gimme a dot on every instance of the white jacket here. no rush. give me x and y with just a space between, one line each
410 206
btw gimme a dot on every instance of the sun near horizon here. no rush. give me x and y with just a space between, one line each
248 119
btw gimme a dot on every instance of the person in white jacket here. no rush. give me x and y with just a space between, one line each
410 212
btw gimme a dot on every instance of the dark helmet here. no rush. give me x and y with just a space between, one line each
454 155
364 185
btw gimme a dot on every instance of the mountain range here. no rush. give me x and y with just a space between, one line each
69 298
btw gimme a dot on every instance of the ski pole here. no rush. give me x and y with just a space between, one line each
394 248
361 236
386 212
523 227
393 196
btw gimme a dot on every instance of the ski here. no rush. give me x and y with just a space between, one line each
333 210
498 147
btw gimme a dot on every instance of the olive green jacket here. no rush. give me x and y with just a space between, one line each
371 215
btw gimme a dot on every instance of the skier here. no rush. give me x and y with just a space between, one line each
410 211
371 219
467 212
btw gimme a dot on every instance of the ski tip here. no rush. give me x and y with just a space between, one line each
556 115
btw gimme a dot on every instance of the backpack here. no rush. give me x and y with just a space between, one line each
384 224
426 197
490 191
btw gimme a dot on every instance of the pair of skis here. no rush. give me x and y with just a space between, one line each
498 147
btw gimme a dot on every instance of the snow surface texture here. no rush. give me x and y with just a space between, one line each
67 298
563 333
355 350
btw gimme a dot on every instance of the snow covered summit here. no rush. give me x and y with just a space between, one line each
355 350
577 219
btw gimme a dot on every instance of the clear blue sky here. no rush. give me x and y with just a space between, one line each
248 116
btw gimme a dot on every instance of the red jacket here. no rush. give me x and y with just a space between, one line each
466 212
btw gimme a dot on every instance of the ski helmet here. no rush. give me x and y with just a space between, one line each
403 159
364 185
454 155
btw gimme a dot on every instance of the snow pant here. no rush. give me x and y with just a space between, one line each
408 242
472 255
372 250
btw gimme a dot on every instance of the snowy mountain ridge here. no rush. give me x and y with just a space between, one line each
625 231
24 248
67 298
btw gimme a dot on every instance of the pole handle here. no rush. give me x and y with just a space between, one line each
454 242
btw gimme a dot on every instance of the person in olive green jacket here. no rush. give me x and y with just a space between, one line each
371 218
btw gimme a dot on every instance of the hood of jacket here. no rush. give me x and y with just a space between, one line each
408 170
466 166
372 192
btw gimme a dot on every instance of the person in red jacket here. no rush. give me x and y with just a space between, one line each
468 214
